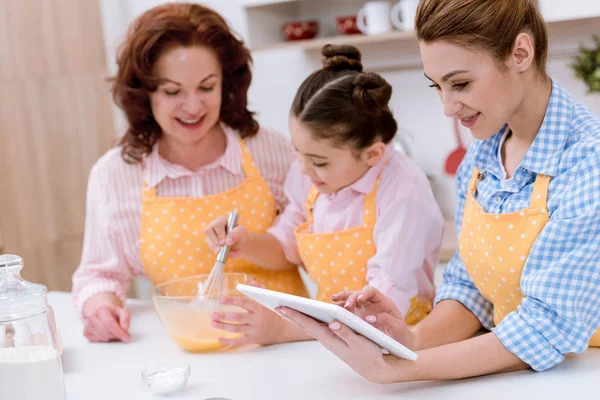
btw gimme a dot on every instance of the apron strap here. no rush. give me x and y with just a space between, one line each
370 210
539 196
248 165
310 202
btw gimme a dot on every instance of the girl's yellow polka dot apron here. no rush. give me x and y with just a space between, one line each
337 261
494 247
173 244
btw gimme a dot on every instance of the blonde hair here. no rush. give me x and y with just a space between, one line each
490 25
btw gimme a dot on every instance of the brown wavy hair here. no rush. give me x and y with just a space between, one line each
152 34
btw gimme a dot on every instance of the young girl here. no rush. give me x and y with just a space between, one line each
528 213
360 212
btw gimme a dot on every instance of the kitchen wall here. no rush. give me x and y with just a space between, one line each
279 72
55 121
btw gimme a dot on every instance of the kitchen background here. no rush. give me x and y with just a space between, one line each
56 116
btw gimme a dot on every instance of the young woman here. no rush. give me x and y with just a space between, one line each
527 267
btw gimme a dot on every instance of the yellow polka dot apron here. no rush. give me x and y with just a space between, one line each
173 244
337 261
495 247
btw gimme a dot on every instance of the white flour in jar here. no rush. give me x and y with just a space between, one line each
31 373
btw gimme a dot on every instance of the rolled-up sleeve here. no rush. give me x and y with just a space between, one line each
457 282
103 267
560 311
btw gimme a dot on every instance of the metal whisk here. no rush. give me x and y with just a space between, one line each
213 285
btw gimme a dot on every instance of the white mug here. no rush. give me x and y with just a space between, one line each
403 14
374 18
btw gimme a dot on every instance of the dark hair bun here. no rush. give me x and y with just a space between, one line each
341 57
371 94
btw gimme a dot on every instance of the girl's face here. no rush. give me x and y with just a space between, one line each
330 167
472 86
187 102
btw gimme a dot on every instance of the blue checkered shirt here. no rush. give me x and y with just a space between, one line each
560 282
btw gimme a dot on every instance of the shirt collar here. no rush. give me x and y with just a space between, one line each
157 168
543 157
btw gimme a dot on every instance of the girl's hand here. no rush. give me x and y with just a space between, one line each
258 325
217 236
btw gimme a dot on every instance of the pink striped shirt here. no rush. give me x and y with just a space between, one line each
112 228
407 234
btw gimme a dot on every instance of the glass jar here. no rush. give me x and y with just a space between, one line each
30 362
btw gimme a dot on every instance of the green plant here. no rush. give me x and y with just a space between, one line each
587 66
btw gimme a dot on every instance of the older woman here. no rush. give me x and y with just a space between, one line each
192 151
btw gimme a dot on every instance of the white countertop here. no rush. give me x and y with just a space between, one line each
290 371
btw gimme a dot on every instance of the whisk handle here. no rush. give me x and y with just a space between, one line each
232 220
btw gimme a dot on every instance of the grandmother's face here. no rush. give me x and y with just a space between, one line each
187 102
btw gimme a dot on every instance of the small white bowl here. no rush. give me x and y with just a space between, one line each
167 379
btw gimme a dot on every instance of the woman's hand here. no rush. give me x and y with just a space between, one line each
258 325
362 355
217 236
378 310
105 319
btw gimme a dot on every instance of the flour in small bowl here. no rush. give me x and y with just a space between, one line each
31 373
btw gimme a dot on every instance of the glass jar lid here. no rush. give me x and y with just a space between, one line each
18 297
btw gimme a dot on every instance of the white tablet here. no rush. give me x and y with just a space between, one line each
326 312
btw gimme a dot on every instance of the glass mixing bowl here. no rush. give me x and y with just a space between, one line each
187 316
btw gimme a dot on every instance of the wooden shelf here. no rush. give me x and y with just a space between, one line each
557 30
355 40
